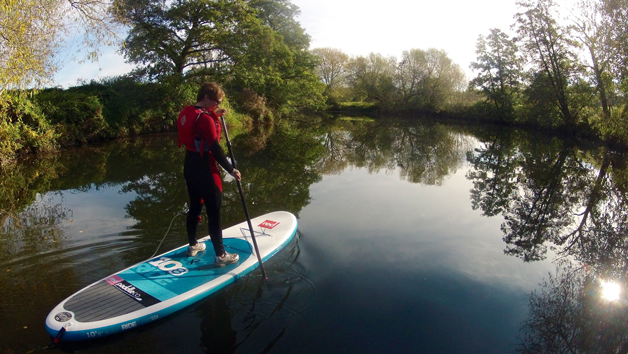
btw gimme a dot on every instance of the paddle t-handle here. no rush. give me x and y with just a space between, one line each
246 210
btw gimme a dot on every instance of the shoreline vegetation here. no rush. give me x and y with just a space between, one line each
553 76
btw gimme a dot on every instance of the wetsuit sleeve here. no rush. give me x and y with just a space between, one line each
220 157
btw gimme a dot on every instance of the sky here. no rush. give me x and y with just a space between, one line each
360 27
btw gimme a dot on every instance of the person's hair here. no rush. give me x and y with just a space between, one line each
212 90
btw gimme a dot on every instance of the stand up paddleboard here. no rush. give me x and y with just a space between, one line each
167 283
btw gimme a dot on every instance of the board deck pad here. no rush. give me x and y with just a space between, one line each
163 284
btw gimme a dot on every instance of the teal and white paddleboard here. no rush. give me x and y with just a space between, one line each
164 284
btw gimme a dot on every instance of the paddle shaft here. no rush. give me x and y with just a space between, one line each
246 210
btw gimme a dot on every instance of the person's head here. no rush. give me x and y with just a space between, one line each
210 94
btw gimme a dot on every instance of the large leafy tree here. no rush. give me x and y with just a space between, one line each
232 41
427 79
499 72
548 47
594 29
601 27
186 37
332 68
295 84
372 77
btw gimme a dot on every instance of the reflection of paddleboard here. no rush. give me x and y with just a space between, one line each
164 284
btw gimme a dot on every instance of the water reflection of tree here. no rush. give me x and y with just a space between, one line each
549 193
569 315
276 177
151 168
30 220
34 230
552 193
279 175
422 152
37 226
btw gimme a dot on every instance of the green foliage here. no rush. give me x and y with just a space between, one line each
23 127
254 105
332 68
570 77
540 106
256 45
615 128
499 74
283 76
123 101
373 77
280 15
361 107
158 104
78 117
424 80
133 107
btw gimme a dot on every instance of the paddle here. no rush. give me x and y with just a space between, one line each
246 210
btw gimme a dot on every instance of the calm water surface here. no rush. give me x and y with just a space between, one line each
413 238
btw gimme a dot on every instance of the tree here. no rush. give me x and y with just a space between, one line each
223 40
499 72
295 84
332 68
601 28
427 80
547 46
372 77
280 16
616 11
31 32
594 28
185 36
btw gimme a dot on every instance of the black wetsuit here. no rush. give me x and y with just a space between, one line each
201 173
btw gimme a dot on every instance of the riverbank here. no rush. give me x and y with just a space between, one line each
47 120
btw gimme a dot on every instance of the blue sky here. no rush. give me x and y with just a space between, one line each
359 27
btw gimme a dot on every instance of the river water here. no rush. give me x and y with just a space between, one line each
414 237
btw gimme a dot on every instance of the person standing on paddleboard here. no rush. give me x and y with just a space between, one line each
199 131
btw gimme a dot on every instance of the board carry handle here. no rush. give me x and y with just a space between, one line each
246 210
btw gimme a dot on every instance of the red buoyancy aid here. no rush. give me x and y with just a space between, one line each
204 126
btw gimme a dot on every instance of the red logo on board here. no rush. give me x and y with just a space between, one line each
269 224
114 279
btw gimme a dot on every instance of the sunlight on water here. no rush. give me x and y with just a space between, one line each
610 290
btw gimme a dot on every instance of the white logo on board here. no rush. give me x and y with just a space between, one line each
130 290
168 265
129 325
